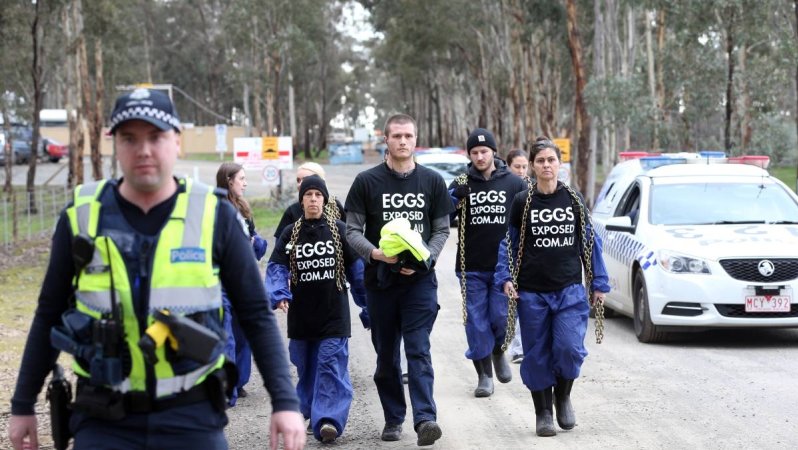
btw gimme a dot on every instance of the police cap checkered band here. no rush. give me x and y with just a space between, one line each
151 106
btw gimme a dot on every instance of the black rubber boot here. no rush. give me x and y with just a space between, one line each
485 373
544 423
500 366
566 418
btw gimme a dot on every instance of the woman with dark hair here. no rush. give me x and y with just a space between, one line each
518 163
553 245
233 178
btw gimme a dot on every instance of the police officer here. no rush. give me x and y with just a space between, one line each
483 196
402 300
127 256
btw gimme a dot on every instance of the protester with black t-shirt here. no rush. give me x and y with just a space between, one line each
402 298
306 276
483 198
552 304
294 211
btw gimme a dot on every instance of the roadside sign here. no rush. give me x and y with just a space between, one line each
269 148
256 153
565 148
271 175
221 138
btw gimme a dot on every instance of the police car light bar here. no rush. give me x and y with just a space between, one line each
648 162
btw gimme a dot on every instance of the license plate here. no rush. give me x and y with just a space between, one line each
767 303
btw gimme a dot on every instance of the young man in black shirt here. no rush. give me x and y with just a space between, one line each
402 298
483 197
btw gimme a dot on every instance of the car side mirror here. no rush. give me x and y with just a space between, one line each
620 223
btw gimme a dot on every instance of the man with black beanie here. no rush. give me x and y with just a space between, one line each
483 197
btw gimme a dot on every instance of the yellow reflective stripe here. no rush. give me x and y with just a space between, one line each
180 383
185 300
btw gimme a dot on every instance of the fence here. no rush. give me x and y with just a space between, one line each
16 214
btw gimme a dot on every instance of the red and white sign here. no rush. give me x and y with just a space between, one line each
253 154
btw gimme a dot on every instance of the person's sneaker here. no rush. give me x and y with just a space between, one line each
328 433
517 359
242 393
309 430
428 432
392 432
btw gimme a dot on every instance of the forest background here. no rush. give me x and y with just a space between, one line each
612 75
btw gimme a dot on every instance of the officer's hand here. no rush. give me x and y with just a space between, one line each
406 271
20 428
461 191
291 425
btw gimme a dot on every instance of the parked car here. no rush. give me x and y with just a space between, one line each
701 245
21 140
448 164
53 150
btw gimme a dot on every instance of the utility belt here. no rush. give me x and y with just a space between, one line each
103 403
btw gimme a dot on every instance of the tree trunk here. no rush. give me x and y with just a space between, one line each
582 123
652 81
291 109
795 8
727 141
96 118
746 130
37 69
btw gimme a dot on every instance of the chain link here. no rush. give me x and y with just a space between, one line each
340 273
587 262
462 180
512 302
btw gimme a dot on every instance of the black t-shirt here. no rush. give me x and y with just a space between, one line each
382 195
240 277
318 309
294 212
551 258
486 209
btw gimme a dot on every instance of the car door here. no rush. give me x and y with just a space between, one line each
622 248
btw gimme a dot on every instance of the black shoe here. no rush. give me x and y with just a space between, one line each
242 393
392 432
328 433
428 432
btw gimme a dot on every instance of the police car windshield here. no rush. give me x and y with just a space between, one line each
721 203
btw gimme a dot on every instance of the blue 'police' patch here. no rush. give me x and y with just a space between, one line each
188 255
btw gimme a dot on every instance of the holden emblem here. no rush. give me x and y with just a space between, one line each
766 268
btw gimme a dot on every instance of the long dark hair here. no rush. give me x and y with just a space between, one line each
517 153
224 176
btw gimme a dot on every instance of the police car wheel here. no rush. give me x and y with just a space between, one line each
645 330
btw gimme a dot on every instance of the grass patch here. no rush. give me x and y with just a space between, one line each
784 173
227 156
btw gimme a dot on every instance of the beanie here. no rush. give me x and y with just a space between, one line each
313 182
480 136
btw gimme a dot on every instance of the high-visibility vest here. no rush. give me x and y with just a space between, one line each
180 271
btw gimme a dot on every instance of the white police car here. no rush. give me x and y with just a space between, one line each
691 244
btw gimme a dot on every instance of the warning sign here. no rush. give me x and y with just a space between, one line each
565 148
270 150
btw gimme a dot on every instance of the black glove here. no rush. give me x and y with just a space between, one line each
461 191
